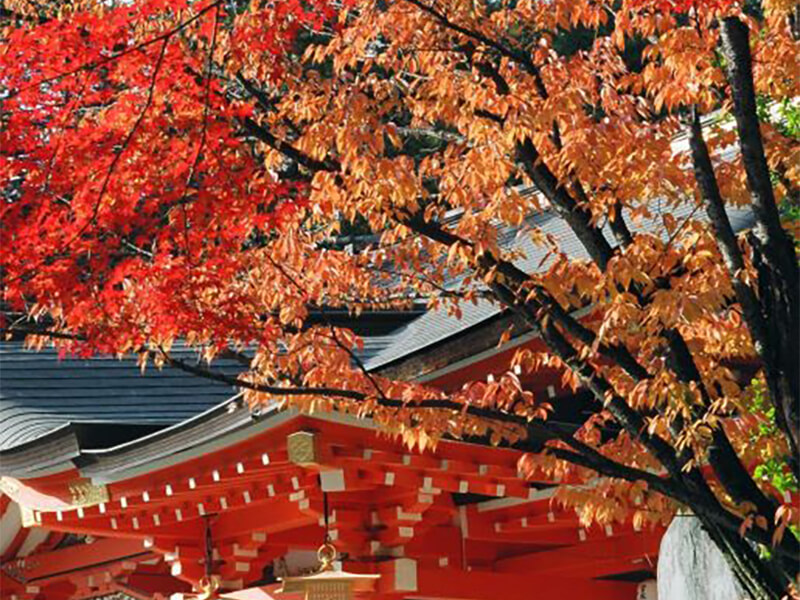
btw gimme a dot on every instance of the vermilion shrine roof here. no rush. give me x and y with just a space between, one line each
454 523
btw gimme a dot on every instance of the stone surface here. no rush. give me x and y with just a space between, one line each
690 567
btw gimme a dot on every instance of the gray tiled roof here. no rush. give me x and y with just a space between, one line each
436 326
40 393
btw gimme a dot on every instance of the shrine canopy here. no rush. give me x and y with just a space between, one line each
136 514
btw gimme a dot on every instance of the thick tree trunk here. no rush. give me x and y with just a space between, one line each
777 261
754 317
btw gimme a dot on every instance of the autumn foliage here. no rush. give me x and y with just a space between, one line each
177 169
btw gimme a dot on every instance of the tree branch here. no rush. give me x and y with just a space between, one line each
577 217
288 150
517 55
736 48
726 238
48 333
764 344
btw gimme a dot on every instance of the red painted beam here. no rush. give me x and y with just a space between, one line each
456 584
269 516
82 557
149 584
592 558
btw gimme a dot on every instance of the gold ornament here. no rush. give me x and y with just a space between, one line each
84 493
208 587
302 448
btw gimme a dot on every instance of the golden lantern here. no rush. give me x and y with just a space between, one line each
327 583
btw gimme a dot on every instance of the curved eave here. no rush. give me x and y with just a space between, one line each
60 449
50 453
224 425
219 429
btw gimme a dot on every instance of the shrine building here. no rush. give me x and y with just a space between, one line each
122 485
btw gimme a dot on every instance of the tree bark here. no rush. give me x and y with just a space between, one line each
779 278
578 217
754 317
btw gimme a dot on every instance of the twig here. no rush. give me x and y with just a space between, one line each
334 336
203 134
93 65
